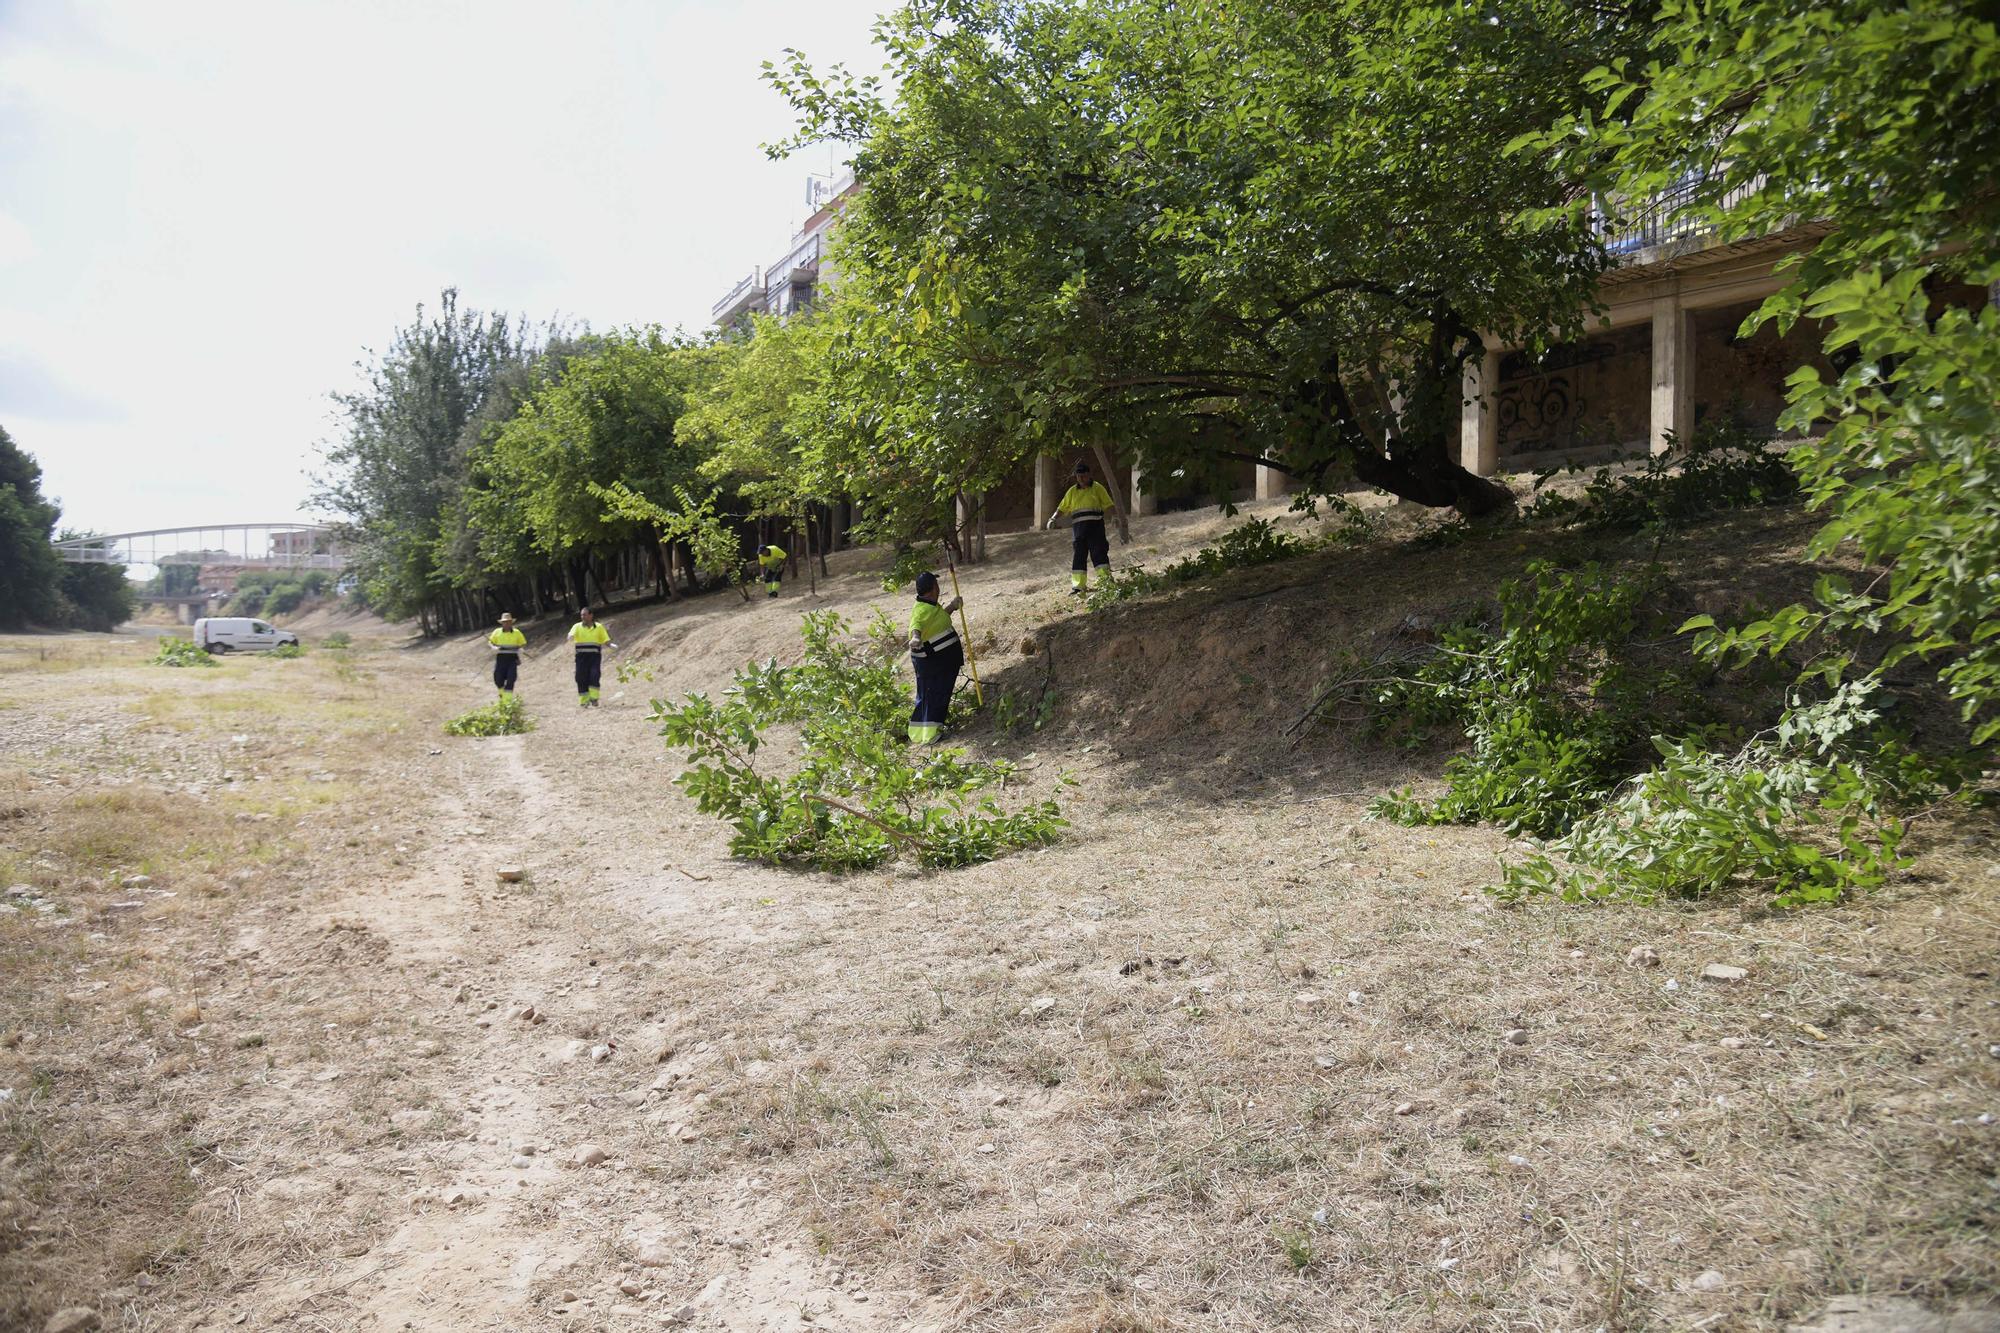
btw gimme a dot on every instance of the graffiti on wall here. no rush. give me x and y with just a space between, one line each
1571 397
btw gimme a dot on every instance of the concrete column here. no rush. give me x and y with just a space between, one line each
1272 484
1673 374
1048 488
1142 502
1479 414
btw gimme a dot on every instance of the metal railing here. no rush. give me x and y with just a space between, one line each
1663 218
223 546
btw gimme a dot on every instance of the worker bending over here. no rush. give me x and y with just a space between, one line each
771 560
591 639
1086 503
937 654
507 645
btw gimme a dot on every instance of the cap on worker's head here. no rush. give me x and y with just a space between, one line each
1081 469
927 582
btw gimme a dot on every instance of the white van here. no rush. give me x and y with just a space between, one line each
239 634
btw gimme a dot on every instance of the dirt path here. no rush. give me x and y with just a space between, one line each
1228 1057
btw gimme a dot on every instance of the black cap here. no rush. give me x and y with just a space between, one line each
927 582
1080 468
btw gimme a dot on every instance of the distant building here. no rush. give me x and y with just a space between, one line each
797 277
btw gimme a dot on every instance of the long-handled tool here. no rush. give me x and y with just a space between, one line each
964 626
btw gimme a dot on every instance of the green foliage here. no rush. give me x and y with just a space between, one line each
695 521
276 592
1875 120
1801 811
36 586
338 641
1721 468
1256 542
1554 704
1012 712
503 717
1192 232
631 671
288 650
178 652
856 794
93 597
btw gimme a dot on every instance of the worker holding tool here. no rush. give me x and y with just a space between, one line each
507 645
1086 502
591 639
936 653
771 561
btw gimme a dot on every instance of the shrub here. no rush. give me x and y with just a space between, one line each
503 717
1721 467
289 650
178 652
1801 810
1554 704
337 641
1257 542
858 795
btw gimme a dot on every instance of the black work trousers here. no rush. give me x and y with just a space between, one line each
506 669
589 670
1087 540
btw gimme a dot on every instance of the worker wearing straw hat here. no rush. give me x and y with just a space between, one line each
507 644
937 653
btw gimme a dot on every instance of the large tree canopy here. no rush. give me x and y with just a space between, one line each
1209 232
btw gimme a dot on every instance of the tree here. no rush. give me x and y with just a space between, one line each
1207 234
30 571
1877 121
610 416
94 597
401 462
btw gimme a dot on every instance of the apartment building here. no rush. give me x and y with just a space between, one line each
802 271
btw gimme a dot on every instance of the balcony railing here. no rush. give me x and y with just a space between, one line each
742 296
1663 218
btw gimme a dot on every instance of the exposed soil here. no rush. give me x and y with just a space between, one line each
1294 1070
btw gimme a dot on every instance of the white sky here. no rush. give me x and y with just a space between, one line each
209 210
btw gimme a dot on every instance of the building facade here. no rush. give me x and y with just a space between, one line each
800 273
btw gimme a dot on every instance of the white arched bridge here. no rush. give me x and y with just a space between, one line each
224 546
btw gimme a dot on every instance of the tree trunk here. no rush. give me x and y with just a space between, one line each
1118 506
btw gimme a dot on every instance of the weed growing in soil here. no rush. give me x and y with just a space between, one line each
289 650
174 652
503 717
337 641
860 794
1257 542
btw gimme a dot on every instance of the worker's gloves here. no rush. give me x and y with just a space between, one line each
953 605
1050 526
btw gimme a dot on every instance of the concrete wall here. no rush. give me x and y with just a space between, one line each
1591 397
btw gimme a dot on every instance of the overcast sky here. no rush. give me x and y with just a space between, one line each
209 210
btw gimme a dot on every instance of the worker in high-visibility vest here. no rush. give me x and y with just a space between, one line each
1085 503
937 654
591 639
507 645
771 563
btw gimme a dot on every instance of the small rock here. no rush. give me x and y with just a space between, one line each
1305 999
522 1162
509 874
1642 955
684 1315
590 1154
1672 985
1516 1160
568 1298
1405 1108
1516 1037
1709 1281
1733 1043
428 1050
75 1319
1038 1006
1723 972
133 882
999 1099
1355 997
631 1286
453 1198
1325 1062
599 1054
985 1148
